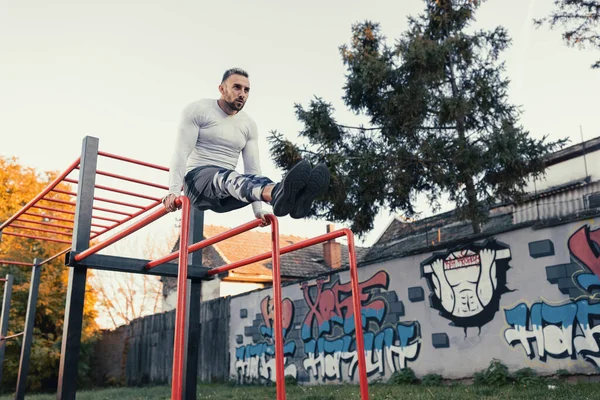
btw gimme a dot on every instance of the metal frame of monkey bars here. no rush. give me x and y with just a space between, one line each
80 256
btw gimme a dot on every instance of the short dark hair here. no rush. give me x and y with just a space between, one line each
233 71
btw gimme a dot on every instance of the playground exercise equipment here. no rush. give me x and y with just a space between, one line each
29 322
88 222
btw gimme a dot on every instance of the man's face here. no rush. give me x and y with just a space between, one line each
235 91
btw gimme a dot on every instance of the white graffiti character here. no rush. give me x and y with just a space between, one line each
465 281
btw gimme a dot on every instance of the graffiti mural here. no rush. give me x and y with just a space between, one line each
466 284
544 330
328 330
256 362
584 247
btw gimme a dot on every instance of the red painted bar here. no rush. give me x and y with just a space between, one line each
277 301
117 221
180 310
208 242
101 199
44 223
360 346
29 228
143 196
138 213
108 210
36 237
47 260
284 250
41 194
135 227
25 264
131 160
11 336
49 217
360 341
53 209
125 178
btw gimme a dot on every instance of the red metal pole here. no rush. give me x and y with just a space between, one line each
36 237
137 226
131 160
208 242
25 264
44 223
49 217
29 228
180 311
53 209
41 194
125 178
121 203
284 250
360 341
143 196
277 301
47 260
136 214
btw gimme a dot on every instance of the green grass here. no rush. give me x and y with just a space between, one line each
345 392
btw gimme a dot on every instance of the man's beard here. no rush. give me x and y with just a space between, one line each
235 106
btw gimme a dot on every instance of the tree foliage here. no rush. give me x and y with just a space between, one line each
18 185
580 20
440 122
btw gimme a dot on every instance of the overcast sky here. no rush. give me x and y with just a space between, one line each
123 70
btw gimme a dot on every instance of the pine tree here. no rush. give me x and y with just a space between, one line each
581 21
440 123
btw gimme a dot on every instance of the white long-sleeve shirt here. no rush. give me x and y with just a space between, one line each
209 136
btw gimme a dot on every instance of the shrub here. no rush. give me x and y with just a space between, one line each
406 376
496 374
432 380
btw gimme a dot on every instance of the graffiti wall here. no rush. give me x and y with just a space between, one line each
530 298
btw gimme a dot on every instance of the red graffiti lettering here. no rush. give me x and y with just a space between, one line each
336 301
581 246
268 312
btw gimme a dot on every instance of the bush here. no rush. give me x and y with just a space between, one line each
432 380
527 376
496 374
406 376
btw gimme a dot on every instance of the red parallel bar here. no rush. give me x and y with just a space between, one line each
49 217
31 221
138 213
54 209
137 226
180 310
125 178
117 221
41 194
14 263
284 250
131 160
100 199
208 242
143 196
278 333
47 260
41 230
360 341
36 237
11 336
71 203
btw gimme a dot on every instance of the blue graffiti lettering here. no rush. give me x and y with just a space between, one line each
553 330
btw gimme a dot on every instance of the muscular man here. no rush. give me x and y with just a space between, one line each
211 136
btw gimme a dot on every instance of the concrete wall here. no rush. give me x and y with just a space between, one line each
568 171
524 297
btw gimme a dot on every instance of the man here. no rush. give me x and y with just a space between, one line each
212 135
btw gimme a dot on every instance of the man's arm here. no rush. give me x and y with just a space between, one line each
251 158
187 135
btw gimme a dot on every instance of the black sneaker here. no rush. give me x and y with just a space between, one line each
285 193
317 184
